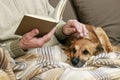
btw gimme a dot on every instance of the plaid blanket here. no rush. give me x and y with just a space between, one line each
5 65
48 58
101 67
49 64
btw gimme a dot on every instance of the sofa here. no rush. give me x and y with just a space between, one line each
69 12
100 13
103 13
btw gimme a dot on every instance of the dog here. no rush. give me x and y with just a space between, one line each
80 49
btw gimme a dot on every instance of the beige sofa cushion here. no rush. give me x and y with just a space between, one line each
105 13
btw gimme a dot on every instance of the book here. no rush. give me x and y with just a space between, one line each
43 23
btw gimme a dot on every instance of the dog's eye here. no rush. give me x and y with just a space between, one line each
74 50
85 52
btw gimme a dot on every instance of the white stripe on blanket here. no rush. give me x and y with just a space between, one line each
51 56
101 67
102 73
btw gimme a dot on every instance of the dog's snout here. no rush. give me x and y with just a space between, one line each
75 61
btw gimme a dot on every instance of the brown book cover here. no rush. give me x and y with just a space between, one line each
29 22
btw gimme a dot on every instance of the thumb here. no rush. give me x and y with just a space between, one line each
48 36
32 33
70 31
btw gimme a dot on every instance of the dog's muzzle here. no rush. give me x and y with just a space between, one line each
76 62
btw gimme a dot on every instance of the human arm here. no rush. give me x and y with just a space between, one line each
29 40
42 8
71 26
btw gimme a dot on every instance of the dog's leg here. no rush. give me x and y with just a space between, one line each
116 48
104 39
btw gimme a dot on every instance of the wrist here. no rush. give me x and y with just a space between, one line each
21 45
16 49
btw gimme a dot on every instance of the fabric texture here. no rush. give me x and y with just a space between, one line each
50 65
101 67
5 64
16 49
3 75
48 58
102 13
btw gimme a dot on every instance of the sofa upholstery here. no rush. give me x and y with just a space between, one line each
69 12
101 13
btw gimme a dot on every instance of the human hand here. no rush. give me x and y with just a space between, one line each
73 26
29 40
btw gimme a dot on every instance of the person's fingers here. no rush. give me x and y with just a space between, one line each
73 26
48 36
81 32
76 25
85 31
31 34
79 27
69 30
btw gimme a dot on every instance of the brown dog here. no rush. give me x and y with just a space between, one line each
79 50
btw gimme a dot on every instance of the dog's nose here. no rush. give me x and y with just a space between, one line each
75 61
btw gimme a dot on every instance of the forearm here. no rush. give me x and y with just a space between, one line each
15 50
59 32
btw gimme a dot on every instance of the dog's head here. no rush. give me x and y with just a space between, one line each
79 50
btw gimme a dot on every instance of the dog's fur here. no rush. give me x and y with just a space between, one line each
79 50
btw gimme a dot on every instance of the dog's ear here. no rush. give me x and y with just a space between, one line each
104 40
99 49
92 34
71 39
